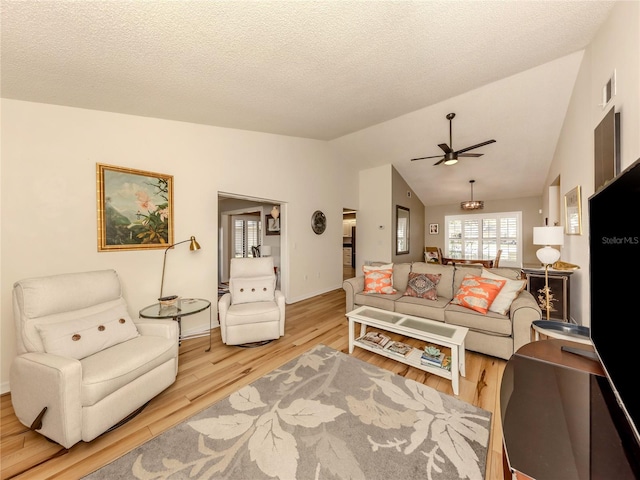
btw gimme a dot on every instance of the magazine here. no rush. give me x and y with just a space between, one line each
374 339
399 348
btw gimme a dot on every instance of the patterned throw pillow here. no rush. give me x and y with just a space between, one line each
423 285
378 279
477 293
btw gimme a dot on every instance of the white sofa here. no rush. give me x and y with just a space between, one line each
83 358
491 333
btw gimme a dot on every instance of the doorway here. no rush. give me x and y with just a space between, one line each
243 223
348 243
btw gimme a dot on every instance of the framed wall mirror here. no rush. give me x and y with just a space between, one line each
402 230
573 212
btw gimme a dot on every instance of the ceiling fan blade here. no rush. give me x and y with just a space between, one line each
445 148
424 158
439 161
476 146
470 154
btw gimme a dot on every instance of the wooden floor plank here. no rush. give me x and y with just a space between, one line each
207 377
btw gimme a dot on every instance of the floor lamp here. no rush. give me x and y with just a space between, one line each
548 255
194 246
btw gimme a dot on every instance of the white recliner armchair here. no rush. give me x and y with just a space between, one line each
83 363
253 310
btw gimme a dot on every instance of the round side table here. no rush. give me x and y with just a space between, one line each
184 308
561 330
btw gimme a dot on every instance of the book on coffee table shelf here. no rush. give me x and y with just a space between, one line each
446 363
374 339
426 359
399 348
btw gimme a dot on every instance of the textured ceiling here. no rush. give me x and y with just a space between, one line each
325 69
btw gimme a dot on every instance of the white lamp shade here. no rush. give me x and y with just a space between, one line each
548 236
265 251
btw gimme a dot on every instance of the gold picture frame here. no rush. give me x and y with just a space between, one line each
135 209
573 212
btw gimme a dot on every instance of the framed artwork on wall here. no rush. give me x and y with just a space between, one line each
573 212
433 228
272 225
135 209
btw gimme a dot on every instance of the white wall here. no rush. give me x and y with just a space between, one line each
616 46
48 198
375 226
400 196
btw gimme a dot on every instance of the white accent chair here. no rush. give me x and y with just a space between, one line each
83 364
253 310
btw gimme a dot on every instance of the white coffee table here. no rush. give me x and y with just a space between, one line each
439 333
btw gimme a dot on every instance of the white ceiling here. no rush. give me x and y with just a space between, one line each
375 77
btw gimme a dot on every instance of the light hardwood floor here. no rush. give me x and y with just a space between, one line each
205 378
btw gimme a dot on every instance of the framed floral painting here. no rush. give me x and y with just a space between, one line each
135 209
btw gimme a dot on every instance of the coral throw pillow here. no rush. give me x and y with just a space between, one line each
477 293
423 285
378 279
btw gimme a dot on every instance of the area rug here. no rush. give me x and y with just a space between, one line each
323 415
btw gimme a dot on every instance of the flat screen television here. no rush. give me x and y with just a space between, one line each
614 277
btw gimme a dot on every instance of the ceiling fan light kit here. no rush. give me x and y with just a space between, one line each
450 155
472 204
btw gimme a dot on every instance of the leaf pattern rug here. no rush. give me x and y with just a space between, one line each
323 415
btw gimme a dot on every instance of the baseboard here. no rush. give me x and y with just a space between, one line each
313 294
4 388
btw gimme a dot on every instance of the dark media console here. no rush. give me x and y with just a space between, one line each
560 418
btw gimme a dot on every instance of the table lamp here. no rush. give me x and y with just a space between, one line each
193 246
265 251
548 255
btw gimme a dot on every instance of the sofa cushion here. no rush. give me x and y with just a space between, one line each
253 313
491 323
423 285
508 293
462 271
378 300
378 279
82 337
477 293
401 276
420 307
507 272
112 368
445 286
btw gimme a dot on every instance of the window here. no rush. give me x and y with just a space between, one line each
480 236
246 234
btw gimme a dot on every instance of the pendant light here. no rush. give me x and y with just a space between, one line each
472 204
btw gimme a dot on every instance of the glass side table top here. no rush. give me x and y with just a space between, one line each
185 306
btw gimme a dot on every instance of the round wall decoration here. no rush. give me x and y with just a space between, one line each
318 222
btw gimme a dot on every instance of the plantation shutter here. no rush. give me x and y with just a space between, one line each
480 236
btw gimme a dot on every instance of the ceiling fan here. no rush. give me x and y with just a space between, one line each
450 156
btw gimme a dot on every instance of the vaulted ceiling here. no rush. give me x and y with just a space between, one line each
375 78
